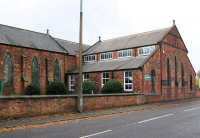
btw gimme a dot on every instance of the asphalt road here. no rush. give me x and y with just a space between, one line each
174 122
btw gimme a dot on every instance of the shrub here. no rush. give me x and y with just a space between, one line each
32 89
112 86
56 88
88 87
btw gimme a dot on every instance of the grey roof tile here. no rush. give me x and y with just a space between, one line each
71 47
25 38
117 64
131 41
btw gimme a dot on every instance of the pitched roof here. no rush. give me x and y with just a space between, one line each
30 39
70 47
131 41
117 64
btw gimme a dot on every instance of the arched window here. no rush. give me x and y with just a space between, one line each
183 75
35 71
169 76
191 83
57 71
176 72
153 80
8 70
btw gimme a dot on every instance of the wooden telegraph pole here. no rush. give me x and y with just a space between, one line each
80 89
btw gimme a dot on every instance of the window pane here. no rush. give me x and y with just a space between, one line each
35 71
8 70
57 71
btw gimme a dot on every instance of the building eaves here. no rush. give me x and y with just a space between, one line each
112 65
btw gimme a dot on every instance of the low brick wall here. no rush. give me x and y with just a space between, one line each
96 102
163 97
21 106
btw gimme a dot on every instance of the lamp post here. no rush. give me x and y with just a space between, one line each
80 89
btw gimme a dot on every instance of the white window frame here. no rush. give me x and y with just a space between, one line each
102 78
106 56
90 58
71 82
129 77
85 78
146 50
125 53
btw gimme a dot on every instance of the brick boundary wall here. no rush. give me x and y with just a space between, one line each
27 106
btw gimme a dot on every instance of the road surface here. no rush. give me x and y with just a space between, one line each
181 121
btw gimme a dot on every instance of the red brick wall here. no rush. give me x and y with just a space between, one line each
171 46
17 52
153 63
25 106
111 101
169 50
36 105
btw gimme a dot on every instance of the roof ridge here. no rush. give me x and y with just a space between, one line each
59 46
23 29
121 37
65 40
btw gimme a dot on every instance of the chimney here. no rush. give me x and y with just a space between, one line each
99 38
174 23
47 31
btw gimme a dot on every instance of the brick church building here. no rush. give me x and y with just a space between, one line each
153 62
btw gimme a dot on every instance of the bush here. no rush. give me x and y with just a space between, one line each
88 87
56 88
32 89
112 86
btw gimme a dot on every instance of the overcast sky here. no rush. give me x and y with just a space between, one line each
106 18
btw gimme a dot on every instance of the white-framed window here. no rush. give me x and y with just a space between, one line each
90 58
71 82
105 78
146 50
125 53
106 56
128 81
85 77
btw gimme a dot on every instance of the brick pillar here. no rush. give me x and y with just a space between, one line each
48 72
24 73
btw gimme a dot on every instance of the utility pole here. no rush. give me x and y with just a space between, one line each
80 89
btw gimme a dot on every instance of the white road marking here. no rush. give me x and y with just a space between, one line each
191 109
155 118
95 134
148 120
129 124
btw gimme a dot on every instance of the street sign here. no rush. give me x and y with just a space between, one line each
147 77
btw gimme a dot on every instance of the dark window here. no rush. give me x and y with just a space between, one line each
168 73
57 71
191 83
183 75
153 78
35 71
176 72
8 70
169 76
